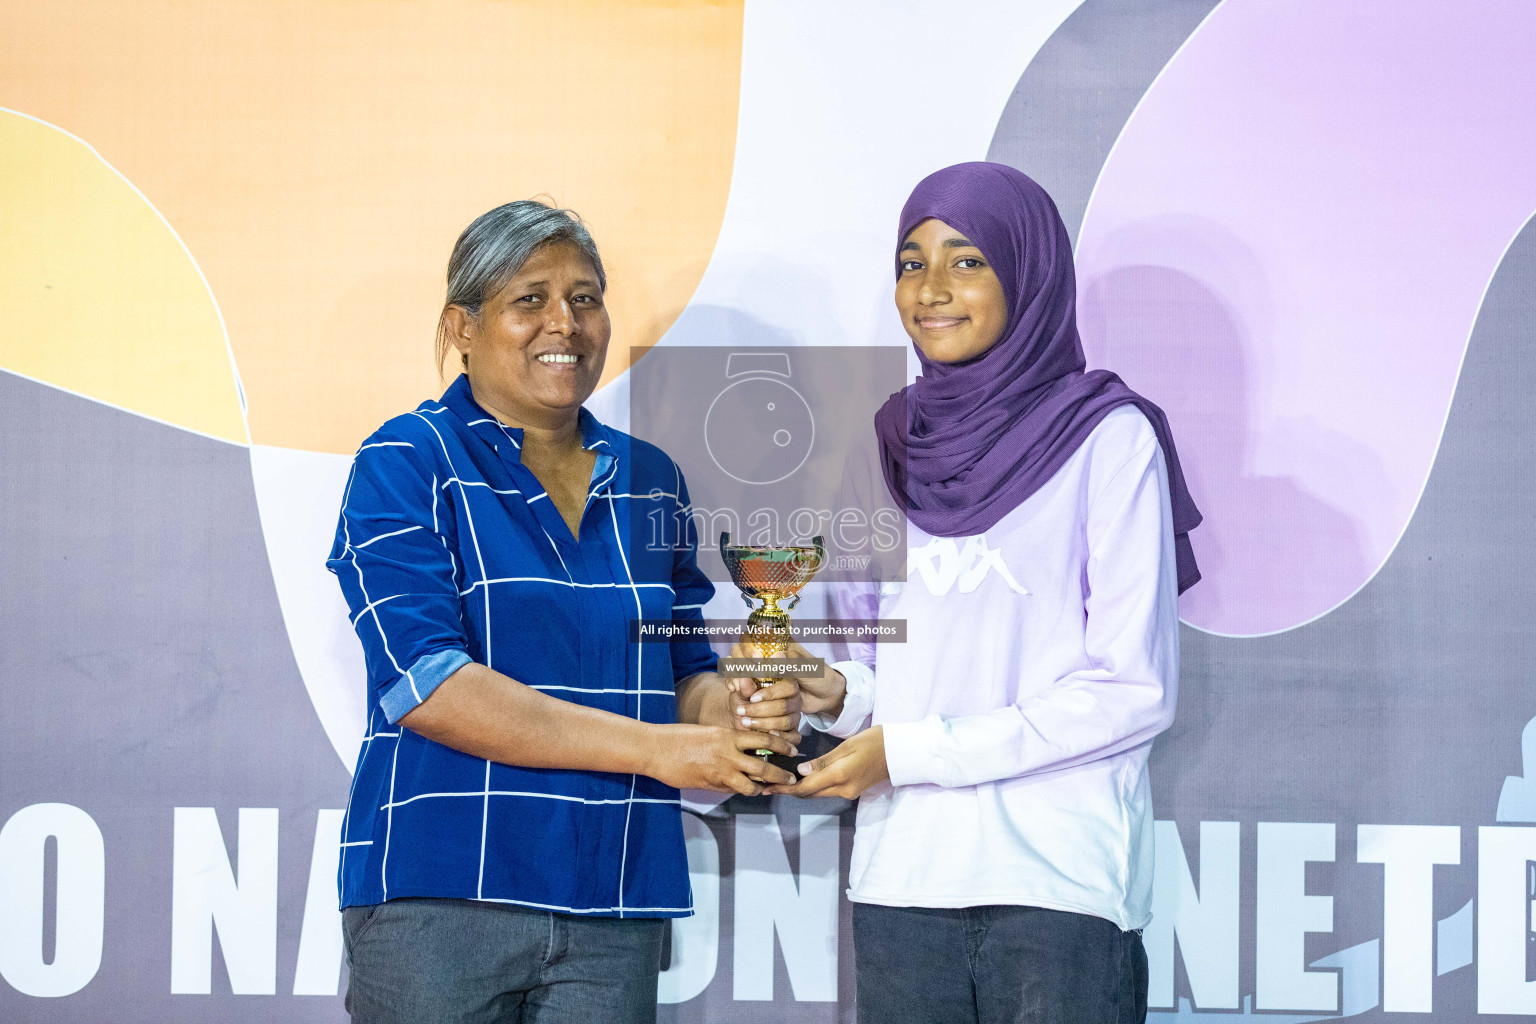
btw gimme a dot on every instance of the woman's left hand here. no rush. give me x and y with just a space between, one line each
852 767
774 708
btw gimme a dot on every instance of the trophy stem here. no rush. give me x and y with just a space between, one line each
768 631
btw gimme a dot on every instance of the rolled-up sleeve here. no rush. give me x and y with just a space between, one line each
691 591
860 602
394 557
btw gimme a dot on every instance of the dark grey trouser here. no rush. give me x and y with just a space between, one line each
996 965
441 961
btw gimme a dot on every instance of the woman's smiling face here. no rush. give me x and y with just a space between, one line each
951 303
536 350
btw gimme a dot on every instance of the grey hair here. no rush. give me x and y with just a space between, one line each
494 248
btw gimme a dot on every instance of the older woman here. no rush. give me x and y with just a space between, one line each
513 841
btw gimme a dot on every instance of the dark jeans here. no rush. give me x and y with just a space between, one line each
996 965
438 961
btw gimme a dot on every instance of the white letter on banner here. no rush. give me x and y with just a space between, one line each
320 942
1409 854
1286 913
804 914
1204 922
205 895
80 903
696 939
1504 918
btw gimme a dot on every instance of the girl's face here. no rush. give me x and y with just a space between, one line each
951 303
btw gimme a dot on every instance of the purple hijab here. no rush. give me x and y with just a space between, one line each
967 442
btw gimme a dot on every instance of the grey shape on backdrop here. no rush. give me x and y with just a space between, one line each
1079 90
1517 800
147 667
1453 941
1359 977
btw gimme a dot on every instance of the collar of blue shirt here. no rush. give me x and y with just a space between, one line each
460 400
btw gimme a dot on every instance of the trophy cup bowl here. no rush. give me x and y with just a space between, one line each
772 574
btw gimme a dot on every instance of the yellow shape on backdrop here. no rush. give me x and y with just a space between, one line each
97 295
319 158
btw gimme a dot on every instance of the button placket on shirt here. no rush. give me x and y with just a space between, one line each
593 561
604 561
575 556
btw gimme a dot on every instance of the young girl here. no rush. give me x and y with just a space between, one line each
1002 868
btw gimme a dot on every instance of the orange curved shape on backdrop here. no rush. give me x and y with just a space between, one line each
319 158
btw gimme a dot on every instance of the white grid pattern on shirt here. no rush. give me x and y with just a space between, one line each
346 817
588 910
485 820
503 427
534 795
347 549
371 605
479 483
601 689
362 586
639 698
559 583
393 533
453 562
677 489
389 824
469 519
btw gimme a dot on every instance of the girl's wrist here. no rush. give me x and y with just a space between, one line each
830 703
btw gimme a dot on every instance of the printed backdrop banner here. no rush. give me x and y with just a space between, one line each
1304 227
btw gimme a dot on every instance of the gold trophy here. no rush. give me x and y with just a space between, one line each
771 573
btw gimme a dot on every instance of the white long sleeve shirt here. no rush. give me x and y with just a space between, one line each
1041 659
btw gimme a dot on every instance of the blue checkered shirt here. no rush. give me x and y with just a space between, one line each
449 551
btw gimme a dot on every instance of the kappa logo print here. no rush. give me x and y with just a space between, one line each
942 564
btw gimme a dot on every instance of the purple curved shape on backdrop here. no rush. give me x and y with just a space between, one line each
1286 250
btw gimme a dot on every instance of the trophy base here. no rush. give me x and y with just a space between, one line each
788 762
